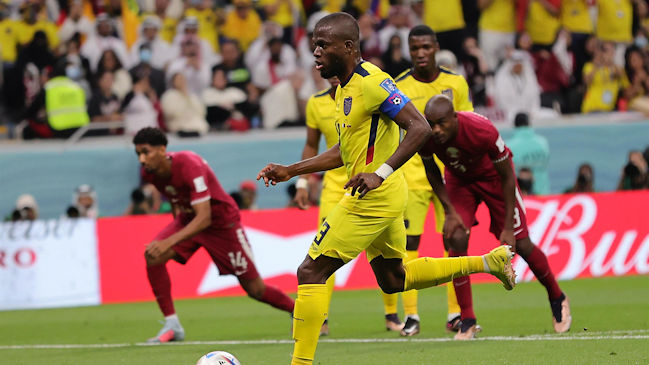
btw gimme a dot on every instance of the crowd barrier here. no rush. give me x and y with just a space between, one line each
85 262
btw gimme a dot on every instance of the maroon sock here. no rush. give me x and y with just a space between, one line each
463 290
161 285
538 263
277 299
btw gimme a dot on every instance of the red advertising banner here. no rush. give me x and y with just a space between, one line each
605 234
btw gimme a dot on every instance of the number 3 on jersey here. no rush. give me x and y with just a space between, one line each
322 233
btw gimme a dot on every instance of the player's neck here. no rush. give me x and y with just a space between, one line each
164 172
425 75
348 72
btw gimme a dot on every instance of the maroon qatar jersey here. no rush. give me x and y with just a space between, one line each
192 181
471 154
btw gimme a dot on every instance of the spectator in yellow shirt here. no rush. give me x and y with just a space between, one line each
575 18
284 13
30 24
604 80
446 18
614 24
542 22
242 24
169 24
203 11
8 36
497 30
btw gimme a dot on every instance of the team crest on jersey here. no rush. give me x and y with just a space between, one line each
170 190
388 85
347 105
448 92
453 152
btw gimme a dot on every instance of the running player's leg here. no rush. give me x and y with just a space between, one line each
453 308
342 236
386 252
158 276
466 204
232 254
258 290
328 200
535 258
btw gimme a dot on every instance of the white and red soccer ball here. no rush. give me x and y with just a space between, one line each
218 358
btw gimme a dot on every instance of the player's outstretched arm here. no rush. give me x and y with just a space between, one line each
310 150
274 173
508 182
452 220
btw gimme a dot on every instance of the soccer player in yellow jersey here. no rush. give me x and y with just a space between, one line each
369 111
421 83
320 113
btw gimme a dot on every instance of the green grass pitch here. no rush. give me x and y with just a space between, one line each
610 326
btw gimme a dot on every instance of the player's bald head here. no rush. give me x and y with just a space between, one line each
342 27
438 107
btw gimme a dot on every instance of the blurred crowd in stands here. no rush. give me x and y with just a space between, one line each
191 66
198 66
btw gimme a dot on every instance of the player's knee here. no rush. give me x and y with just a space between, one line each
459 241
391 286
255 291
150 261
524 247
306 273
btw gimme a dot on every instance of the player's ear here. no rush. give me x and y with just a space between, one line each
349 46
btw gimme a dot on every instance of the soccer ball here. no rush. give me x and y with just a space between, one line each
218 358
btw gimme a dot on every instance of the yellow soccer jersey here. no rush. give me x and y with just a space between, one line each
448 83
601 94
320 113
366 103
614 20
499 16
541 25
575 16
443 15
8 40
26 32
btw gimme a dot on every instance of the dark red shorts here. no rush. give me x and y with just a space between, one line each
228 248
467 196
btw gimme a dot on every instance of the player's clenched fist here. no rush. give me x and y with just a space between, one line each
363 183
274 173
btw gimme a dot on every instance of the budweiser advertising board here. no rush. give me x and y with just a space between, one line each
605 234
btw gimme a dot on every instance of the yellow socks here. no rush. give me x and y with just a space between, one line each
390 302
427 271
410 296
309 313
453 307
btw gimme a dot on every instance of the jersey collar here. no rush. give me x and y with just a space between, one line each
357 70
414 76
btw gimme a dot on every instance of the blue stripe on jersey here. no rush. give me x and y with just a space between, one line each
370 144
447 71
393 104
360 70
323 93
357 70
403 75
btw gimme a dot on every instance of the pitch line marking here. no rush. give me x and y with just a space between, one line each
593 336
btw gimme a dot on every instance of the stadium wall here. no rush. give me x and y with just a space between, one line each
67 263
51 174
